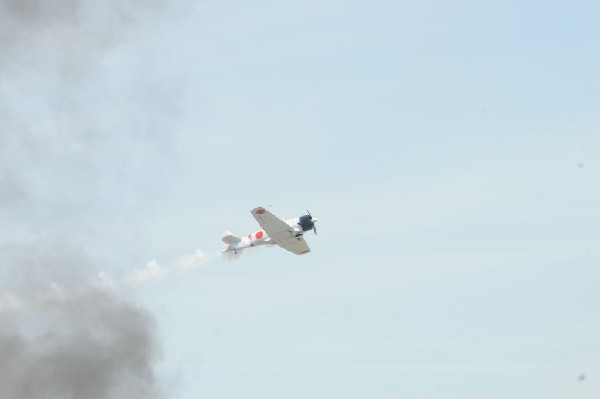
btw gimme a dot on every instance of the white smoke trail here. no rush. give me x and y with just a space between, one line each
180 266
151 272
104 282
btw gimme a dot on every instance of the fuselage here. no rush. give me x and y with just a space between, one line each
254 240
259 238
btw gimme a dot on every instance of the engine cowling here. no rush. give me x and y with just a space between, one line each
306 222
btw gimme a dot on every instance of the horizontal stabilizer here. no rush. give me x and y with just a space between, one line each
229 238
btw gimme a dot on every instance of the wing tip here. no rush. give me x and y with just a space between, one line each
259 210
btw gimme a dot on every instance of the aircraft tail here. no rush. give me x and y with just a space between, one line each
230 250
229 238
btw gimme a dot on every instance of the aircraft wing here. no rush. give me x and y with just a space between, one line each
282 233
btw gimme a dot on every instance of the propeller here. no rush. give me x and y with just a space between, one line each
313 220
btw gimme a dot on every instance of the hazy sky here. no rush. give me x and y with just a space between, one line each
450 151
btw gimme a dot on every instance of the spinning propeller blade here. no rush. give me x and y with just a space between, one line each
313 221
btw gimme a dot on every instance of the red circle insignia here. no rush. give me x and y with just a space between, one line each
260 211
259 235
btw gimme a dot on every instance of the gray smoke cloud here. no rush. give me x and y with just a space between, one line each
93 345
63 337
75 118
73 136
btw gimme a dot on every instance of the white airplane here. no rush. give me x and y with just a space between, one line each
287 234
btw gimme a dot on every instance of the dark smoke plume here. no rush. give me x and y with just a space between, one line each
93 345
69 140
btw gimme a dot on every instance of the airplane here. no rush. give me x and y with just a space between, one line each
285 233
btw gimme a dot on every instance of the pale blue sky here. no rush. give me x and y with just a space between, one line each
450 151
451 154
